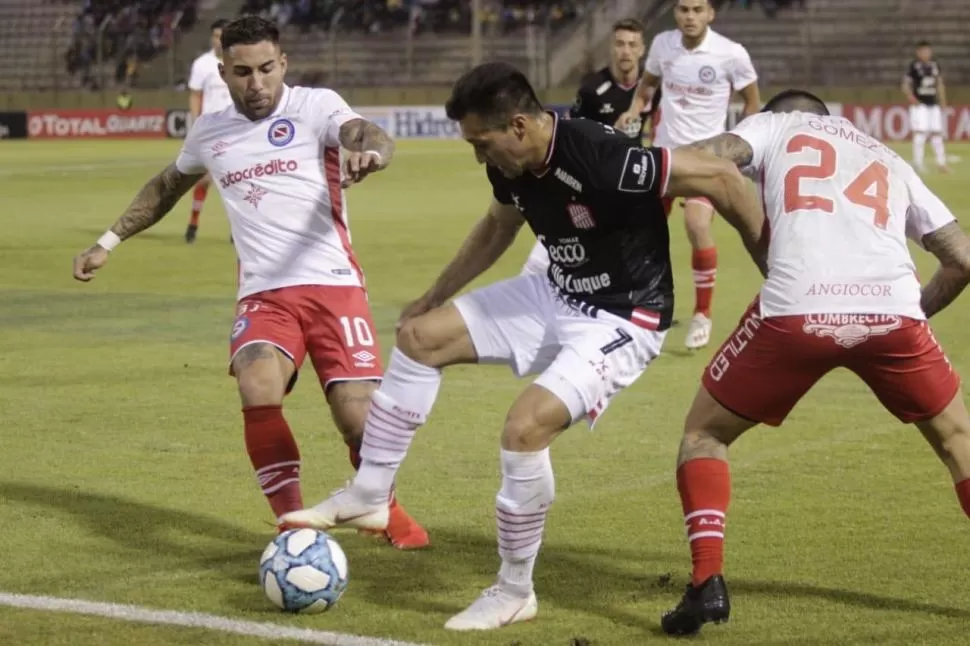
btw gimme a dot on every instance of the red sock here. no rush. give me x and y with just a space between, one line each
704 264
198 199
963 493
275 457
705 491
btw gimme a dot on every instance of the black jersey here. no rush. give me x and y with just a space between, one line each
598 210
925 78
601 98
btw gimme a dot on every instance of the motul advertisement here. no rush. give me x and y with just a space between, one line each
891 122
97 124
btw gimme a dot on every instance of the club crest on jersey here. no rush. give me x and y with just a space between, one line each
581 215
240 326
707 74
281 132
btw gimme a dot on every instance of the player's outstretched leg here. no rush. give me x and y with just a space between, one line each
262 373
349 402
401 404
704 483
949 435
198 199
521 506
698 219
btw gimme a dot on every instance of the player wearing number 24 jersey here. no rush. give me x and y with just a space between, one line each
841 291
275 157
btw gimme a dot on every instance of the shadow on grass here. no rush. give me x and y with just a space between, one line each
603 581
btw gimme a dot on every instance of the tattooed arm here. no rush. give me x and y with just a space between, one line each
727 146
152 203
745 213
362 139
951 246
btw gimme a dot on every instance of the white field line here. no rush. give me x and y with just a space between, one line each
138 614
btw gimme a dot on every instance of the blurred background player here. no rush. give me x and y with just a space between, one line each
840 291
207 93
602 96
301 291
700 70
923 87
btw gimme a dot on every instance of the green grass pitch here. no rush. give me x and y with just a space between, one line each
123 476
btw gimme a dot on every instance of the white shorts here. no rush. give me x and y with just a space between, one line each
538 261
925 118
584 360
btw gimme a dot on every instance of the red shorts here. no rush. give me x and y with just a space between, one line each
767 365
330 323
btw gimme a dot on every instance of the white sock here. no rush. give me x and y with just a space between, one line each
397 409
936 141
919 142
528 489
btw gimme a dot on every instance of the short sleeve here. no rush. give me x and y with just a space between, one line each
330 111
190 161
757 130
617 164
501 190
926 212
741 70
653 65
197 76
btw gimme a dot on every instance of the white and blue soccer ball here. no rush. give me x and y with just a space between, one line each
303 570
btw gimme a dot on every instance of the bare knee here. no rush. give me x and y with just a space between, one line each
697 222
534 421
261 375
416 341
437 339
349 403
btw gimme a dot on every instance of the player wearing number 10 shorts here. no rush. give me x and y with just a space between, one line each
841 291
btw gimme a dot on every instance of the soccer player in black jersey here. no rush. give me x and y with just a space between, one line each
924 89
589 328
602 97
606 94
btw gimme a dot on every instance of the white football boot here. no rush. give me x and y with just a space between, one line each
495 608
343 509
699 332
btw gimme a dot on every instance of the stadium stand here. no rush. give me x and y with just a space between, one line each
389 43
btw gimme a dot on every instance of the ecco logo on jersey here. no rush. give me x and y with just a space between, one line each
570 252
707 74
568 180
281 132
275 167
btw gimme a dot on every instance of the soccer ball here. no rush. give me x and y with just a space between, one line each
303 570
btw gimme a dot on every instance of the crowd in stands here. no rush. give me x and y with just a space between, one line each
770 7
134 31
377 16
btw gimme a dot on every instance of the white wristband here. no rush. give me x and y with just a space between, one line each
380 160
109 240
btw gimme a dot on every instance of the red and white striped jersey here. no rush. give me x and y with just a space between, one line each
279 179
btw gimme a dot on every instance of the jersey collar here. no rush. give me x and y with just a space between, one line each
704 46
552 145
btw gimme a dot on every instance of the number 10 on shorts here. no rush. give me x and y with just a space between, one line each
357 331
